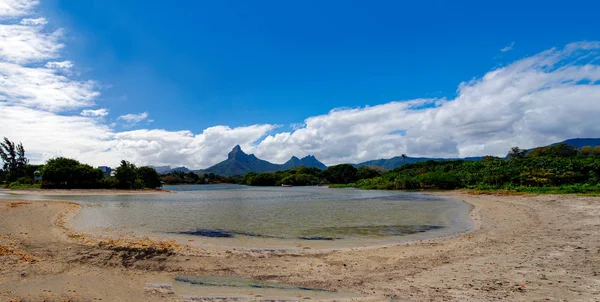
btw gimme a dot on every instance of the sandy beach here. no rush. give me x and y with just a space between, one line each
524 248
81 192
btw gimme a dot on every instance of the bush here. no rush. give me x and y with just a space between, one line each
16 185
109 183
150 177
438 180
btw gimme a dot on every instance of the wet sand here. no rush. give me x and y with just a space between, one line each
525 248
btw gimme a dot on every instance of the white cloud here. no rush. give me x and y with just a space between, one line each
508 47
95 113
177 148
132 118
24 44
16 8
43 88
535 101
37 21
59 65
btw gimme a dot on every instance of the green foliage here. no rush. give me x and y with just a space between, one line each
300 179
559 150
265 179
69 173
437 180
18 185
126 175
557 166
109 183
589 151
63 172
340 174
149 177
365 172
516 152
298 176
13 158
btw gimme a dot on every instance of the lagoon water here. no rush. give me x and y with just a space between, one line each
233 215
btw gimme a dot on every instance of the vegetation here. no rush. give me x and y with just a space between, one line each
64 172
561 167
304 176
67 173
13 156
180 177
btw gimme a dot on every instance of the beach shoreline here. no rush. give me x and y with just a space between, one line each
81 192
521 248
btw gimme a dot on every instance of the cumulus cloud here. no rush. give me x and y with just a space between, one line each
37 21
534 101
541 99
132 118
24 44
162 147
96 113
44 88
16 8
508 47
59 65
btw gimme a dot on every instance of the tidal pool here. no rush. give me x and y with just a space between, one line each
273 217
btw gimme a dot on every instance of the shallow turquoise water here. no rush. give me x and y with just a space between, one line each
297 213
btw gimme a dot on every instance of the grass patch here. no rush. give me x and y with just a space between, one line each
16 185
350 185
579 189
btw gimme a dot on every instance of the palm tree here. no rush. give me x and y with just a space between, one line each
13 156
403 158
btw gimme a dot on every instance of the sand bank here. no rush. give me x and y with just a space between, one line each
526 248
81 192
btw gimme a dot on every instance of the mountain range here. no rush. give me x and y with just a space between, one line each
240 163
398 161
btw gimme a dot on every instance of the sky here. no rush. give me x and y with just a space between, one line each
181 83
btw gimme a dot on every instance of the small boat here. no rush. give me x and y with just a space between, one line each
286 186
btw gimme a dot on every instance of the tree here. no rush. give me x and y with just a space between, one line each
365 172
403 158
516 152
126 175
340 174
69 173
14 159
589 151
149 176
558 150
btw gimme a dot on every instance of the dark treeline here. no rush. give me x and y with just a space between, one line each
180 177
303 176
67 173
560 166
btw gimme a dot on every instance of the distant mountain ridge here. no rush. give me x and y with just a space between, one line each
581 142
240 163
395 162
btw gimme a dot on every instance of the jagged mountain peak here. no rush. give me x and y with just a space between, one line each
236 152
240 163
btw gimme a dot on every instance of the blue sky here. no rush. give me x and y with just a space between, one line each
182 82
194 64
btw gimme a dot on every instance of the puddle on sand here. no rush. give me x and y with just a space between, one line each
327 233
228 288
369 231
